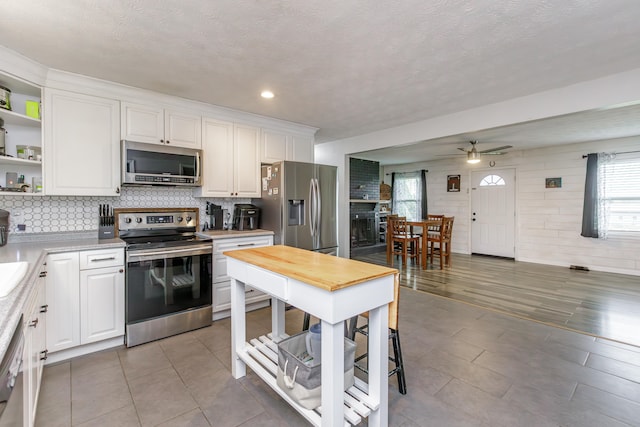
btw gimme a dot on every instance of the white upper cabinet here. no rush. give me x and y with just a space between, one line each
231 160
276 145
217 159
301 148
246 161
81 146
153 125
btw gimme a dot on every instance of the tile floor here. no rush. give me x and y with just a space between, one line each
466 366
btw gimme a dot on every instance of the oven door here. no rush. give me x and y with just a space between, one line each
165 281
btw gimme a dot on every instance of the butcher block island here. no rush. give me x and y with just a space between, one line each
333 290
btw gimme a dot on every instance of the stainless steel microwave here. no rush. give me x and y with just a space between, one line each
154 164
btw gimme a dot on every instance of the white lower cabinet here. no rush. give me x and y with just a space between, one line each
101 304
85 295
35 351
222 281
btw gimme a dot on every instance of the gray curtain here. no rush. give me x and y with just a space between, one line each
590 206
393 196
423 177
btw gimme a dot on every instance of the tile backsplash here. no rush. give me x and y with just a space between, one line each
55 214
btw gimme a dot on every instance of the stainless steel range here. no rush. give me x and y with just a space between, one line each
168 277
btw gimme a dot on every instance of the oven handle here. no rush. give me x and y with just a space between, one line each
168 253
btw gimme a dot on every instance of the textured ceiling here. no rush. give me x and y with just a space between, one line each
347 67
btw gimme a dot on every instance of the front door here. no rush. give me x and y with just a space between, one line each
493 212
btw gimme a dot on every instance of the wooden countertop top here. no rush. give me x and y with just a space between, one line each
323 271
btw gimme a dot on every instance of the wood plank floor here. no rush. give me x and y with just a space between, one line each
601 304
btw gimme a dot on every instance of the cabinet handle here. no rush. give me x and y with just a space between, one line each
168 142
121 271
43 274
44 308
246 244
117 190
44 354
162 141
249 291
103 259
34 323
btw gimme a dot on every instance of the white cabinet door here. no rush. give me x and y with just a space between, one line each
279 145
301 149
183 129
81 145
155 125
222 281
246 161
63 300
101 304
274 146
142 123
217 159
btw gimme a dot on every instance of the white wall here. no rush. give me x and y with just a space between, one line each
548 220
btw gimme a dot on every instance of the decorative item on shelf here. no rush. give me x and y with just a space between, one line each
29 152
5 98
453 183
11 180
32 109
385 191
36 184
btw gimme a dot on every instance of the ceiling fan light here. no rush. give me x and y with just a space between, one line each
473 156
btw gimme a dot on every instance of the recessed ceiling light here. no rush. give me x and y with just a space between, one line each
267 94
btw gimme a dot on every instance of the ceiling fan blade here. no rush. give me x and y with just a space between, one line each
462 149
496 149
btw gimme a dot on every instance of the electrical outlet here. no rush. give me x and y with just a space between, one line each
17 219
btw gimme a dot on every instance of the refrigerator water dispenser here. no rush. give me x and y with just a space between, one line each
296 212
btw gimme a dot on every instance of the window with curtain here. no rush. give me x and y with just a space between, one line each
409 194
612 195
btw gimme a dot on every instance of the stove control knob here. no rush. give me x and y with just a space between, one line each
127 220
179 219
138 220
189 219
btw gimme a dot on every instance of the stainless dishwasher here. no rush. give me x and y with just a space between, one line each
11 387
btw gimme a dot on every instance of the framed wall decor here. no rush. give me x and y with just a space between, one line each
453 183
553 182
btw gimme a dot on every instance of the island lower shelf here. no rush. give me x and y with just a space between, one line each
261 355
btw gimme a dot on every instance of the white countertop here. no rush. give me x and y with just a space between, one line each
34 253
36 248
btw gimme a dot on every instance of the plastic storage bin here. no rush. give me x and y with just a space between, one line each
301 380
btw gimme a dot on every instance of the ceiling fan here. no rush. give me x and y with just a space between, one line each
473 155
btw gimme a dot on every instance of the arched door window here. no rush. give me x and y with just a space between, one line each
492 180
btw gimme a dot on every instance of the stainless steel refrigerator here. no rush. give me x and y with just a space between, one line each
299 204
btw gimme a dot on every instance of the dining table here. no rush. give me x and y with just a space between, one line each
424 241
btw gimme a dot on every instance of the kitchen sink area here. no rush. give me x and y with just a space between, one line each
11 273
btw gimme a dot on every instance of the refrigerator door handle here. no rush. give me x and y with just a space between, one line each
318 209
312 211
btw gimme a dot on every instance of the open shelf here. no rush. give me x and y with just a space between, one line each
261 355
6 160
13 118
368 201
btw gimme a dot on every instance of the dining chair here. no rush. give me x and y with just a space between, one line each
394 336
403 243
440 243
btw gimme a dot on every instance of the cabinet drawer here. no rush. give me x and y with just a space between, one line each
222 295
220 246
101 258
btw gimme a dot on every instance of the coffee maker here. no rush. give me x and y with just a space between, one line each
245 217
215 214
